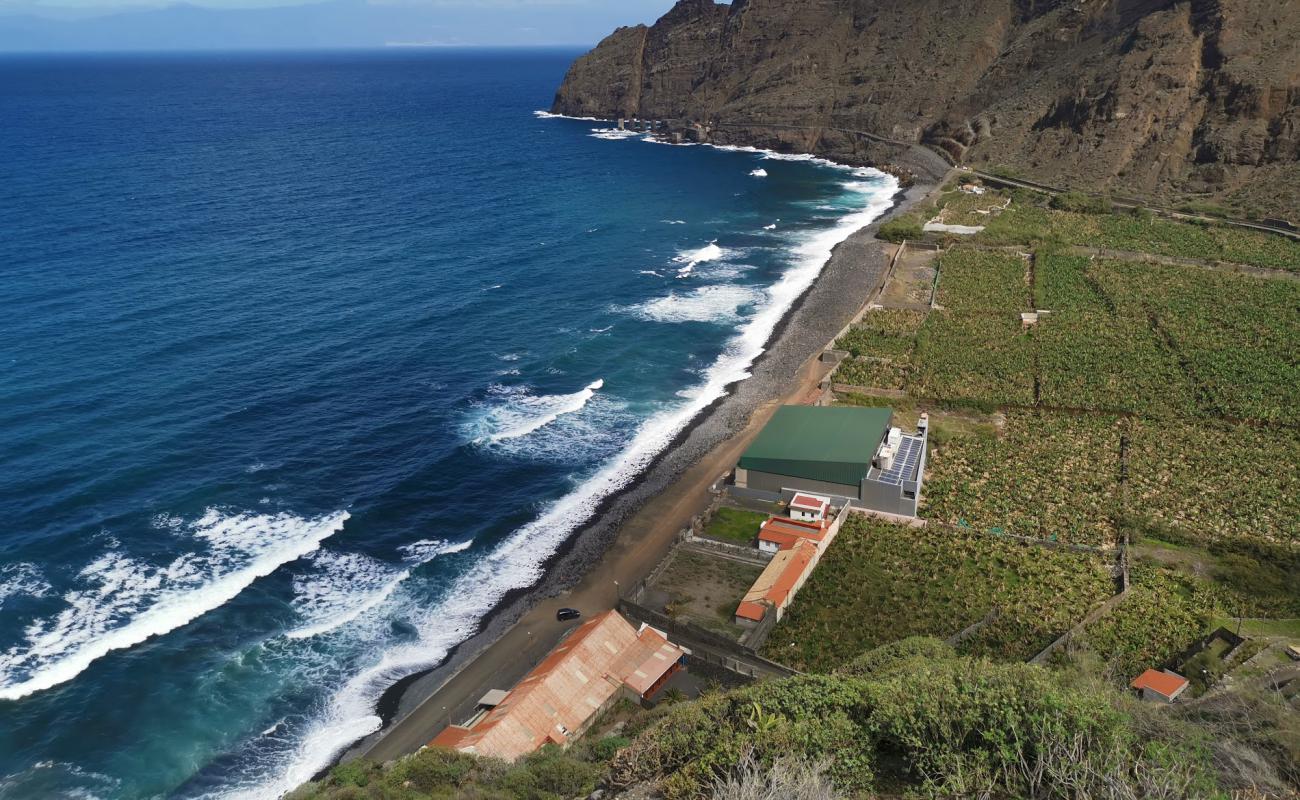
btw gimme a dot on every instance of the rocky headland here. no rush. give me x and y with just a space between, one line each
1174 101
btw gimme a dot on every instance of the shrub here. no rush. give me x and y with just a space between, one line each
897 230
1081 203
886 659
948 727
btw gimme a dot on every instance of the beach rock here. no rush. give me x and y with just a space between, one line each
1147 97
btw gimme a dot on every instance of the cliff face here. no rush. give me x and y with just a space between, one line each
1154 97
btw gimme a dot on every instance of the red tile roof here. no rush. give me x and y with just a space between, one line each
786 533
557 698
809 501
776 585
1164 683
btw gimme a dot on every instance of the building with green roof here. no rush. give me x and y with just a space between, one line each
853 454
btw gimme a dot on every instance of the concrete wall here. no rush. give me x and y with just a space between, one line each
769 482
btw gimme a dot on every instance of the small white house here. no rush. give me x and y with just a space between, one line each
809 507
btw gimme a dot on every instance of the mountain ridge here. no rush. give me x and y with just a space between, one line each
1173 100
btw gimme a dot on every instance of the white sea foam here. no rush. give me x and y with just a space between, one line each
21 580
771 227
338 589
120 601
653 272
758 173
693 258
673 221
426 550
721 303
517 412
517 562
613 134
549 115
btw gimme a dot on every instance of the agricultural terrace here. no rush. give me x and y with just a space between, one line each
1024 223
1163 613
1182 375
880 582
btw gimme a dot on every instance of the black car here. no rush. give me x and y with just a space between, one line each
566 614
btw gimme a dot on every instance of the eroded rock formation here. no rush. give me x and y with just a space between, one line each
1149 97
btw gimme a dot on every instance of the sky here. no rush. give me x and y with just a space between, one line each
142 25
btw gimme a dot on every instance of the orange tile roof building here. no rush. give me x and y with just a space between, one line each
1160 686
603 659
798 547
779 533
777 586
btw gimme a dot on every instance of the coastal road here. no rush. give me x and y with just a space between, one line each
642 542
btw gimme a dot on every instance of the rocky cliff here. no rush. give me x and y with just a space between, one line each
1176 100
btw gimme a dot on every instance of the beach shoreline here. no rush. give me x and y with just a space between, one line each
631 530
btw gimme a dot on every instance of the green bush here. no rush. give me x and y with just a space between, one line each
897 230
945 726
887 659
1081 203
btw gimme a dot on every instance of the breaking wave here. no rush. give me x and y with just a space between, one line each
758 173
518 561
21 580
693 258
521 413
721 303
120 601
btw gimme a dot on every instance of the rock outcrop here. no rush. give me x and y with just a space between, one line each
1175 100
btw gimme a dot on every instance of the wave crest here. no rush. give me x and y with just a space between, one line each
120 601
522 413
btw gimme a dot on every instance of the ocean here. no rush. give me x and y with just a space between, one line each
309 359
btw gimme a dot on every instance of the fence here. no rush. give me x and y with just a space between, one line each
1096 614
970 630
732 551
707 645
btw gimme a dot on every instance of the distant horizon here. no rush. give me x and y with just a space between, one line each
112 26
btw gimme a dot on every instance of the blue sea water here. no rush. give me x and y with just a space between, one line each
307 360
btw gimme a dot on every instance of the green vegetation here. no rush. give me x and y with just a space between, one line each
925 720
1235 334
1163 614
880 349
1053 476
900 229
880 582
734 525
1081 203
1030 224
438 774
974 358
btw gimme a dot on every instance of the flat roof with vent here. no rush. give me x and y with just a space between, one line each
818 443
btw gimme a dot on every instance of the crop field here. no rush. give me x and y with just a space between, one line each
974 357
880 349
1062 284
1054 476
1163 614
971 280
1237 334
880 582
1108 362
1212 480
1025 224
874 373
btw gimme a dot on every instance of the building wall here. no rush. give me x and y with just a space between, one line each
769 482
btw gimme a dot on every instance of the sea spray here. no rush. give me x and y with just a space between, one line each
122 601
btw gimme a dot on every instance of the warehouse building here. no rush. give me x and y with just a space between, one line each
851 455
603 660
